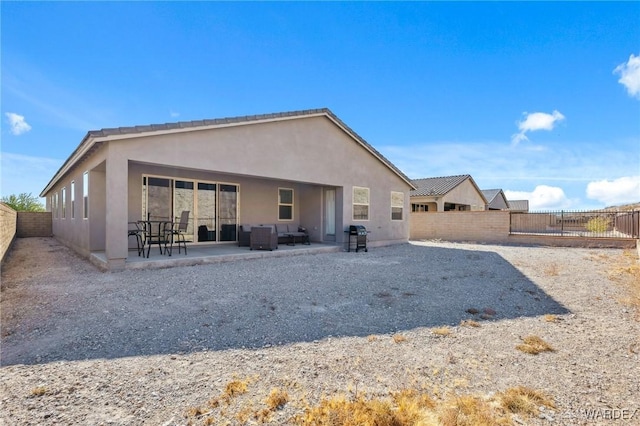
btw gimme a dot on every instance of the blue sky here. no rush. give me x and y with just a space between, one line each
541 100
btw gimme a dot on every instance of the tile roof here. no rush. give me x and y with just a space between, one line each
519 205
437 186
490 194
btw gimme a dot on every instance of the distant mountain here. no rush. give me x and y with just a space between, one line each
625 207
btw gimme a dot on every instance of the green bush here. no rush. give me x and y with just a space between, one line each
599 224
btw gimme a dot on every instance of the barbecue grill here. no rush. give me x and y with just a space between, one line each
359 234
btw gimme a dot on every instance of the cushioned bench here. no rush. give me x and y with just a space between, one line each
286 233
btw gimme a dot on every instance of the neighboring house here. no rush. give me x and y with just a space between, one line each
519 206
447 193
496 200
304 167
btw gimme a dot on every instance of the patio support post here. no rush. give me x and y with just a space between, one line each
116 244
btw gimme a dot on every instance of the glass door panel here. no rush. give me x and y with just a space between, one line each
205 218
228 212
184 201
330 214
158 193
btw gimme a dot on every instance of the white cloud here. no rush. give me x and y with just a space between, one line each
174 114
543 197
536 121
630 75
615 192
17 123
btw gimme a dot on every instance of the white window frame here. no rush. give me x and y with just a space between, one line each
85 195
356 201
281 204
397 202
72 191
63 201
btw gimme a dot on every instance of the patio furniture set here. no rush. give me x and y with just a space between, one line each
161 232
267 237
166 233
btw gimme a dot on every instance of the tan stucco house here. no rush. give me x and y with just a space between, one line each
304 167
446 193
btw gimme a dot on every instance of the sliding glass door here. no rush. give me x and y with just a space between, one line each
212 207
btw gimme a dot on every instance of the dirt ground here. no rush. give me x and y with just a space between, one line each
167 347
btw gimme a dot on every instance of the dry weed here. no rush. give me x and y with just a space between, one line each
442 331
469 323
277 399
399 338
523 400
551 318
552 270
39 391
534 345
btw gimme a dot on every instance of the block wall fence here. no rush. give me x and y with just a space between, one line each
8 221
34 224
492 227
15 224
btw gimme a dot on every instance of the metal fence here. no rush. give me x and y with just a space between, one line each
593 224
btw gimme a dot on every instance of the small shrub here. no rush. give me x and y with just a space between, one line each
277 399
534 345
523 400
598 224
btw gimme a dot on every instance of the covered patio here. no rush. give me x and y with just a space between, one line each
206 254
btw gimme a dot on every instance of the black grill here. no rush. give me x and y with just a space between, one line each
359 234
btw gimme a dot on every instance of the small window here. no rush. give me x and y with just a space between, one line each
73 199
54 205
285 204
360 203
397 205
64 202
85 195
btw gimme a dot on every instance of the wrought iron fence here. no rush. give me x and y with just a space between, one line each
593 224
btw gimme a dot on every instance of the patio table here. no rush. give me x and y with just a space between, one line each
158 232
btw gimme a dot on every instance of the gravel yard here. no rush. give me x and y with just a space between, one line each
81 346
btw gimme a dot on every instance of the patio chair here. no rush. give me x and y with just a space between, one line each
263 238
179 230
135 230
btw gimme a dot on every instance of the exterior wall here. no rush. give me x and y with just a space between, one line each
77 232
33 224
309 150
8 221
465 193
492 227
